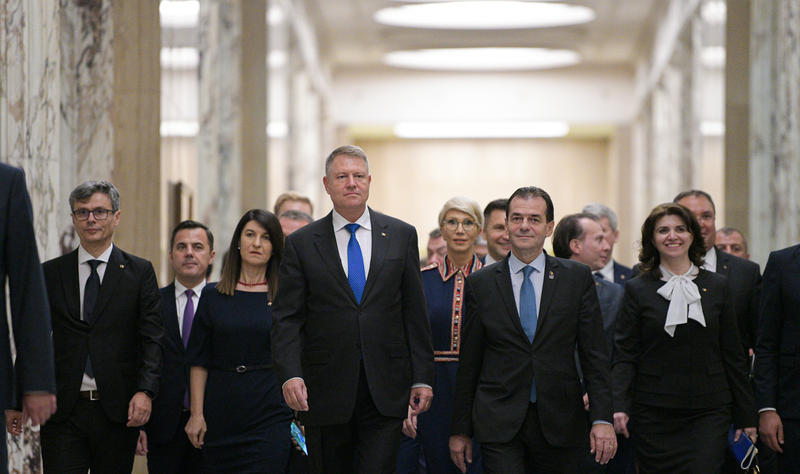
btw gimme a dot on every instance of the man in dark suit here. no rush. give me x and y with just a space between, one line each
33 375
167 447
744 276
351 339
612 270
107 333
517 389
777 377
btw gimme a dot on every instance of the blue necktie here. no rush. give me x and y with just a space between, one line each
527 313
355 263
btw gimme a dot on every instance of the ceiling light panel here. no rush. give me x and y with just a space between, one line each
484 15
482 59
481 129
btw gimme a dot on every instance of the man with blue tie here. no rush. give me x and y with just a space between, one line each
351 339
167 447
517 388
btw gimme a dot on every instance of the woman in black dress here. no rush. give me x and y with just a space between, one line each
679 374
238 415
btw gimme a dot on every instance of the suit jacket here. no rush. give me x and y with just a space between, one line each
699 368
30 313
497 363
124 340
622 273
744 278
174 380
320 332
777 365
610 297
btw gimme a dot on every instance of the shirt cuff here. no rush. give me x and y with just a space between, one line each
289 380
417 385
600 422
766 409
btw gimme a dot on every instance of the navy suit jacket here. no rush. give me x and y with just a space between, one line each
322 334
777 365
621 273
168 405
30 313
610 297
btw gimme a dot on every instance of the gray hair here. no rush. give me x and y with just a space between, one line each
349 150
85 190
601 210
296 215
465 205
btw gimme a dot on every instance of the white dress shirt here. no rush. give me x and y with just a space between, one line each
363 236
181 300
488 260
515 266
710 259
84 270
607 271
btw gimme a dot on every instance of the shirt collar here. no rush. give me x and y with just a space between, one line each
84 256
607 271
447 268
516 265
339 222
180 289
710 259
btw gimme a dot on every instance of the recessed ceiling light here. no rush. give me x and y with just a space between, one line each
553 129
482 59
484 15
179 13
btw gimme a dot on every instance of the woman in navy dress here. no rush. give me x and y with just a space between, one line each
238 415
425 447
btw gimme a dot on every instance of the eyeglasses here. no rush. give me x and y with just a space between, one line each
99 214
452 224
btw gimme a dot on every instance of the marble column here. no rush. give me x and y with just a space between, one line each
774 129
219 140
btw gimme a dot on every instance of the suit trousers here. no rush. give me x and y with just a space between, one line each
3 454
86 440
789 461
175 456
529 452
368 443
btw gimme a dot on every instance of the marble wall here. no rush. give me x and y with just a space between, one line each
774 166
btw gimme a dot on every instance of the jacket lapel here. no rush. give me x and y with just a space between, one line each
549 283
71 284
170 311
723 265
114 270
380 245
325 241
503 279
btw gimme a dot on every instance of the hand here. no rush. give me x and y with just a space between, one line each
141 445
196 430
586 401
603 441
420 399
139 409
751 432
410 424
14 422
461 451
621 423
295 394
38 407
771 428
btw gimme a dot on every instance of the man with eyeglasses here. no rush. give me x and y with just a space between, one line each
105 311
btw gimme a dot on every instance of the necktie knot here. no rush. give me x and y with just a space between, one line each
189 293
527 270
94 264
352 228
599 275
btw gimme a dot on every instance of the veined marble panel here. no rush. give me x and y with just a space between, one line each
774 126
219 140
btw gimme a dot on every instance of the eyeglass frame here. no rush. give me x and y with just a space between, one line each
75 213
453 223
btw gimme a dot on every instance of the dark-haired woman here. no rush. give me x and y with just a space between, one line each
679 373
238 415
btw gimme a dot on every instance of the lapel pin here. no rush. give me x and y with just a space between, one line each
704 290
121 266
383 234
551 275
